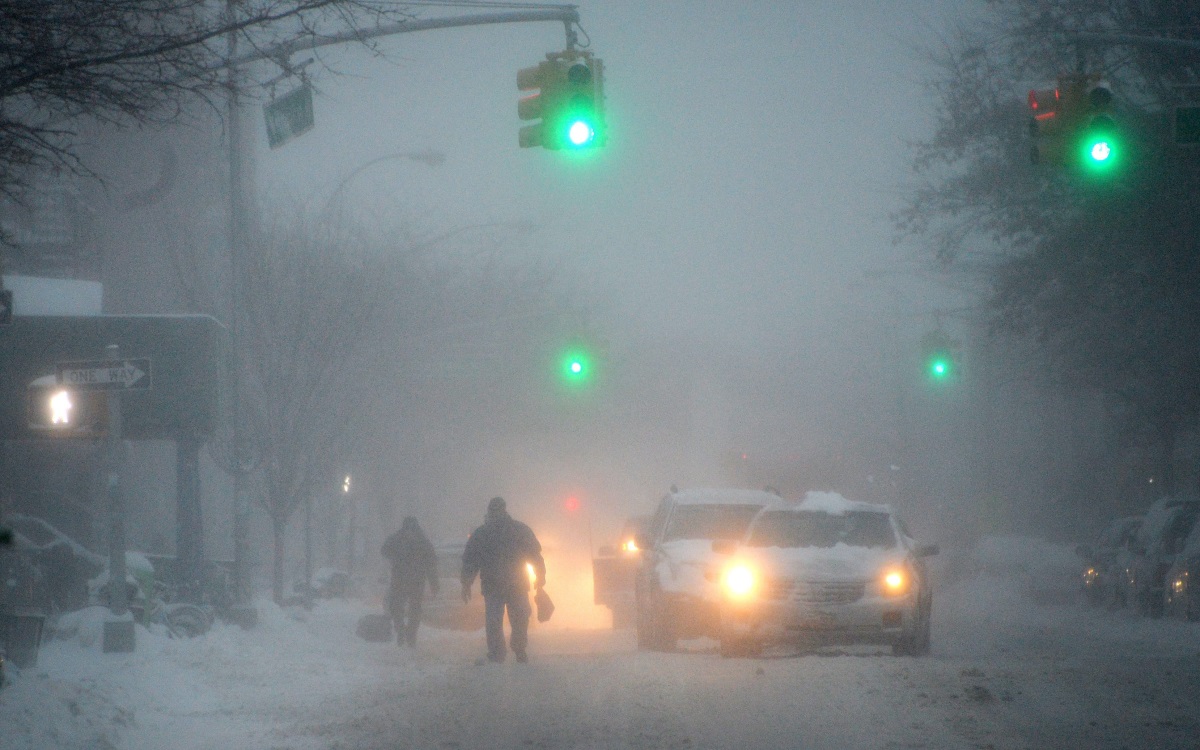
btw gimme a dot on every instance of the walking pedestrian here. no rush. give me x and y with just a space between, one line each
413 563
498 552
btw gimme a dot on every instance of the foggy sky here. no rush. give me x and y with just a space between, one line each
754 153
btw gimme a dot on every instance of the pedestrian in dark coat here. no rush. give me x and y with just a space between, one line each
413 563
498 552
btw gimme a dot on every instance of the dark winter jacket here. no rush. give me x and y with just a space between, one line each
498 551
413 558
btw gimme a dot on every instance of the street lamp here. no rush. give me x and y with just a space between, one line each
352 525
428 157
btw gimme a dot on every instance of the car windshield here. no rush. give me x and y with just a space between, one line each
709 521
807 528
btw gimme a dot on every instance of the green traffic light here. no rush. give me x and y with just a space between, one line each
580 133
939 369
1100 152
576 367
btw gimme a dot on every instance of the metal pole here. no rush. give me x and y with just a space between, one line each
189 520
118 632
567 14
118 596
237 240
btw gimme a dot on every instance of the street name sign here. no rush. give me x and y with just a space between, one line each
106 375
290 116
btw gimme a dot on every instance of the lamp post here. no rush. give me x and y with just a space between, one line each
352 524
428 157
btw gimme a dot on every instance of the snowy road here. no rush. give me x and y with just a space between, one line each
1005 673
1023 685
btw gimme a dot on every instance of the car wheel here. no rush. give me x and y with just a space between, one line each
641 624
1151 605
662 628
918 643
624 615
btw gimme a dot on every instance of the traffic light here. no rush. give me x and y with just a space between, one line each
941 365
940 360
1073 125
576 366
580 121
55 410
1099 145
569 102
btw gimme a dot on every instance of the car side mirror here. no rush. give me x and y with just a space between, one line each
724 546
926 550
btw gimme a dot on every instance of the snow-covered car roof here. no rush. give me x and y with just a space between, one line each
833 503
716 496
1161 513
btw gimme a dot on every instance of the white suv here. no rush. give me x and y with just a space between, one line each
676 594
821 571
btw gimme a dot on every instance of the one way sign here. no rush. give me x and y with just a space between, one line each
106 375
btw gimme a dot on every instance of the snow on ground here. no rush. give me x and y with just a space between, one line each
276 686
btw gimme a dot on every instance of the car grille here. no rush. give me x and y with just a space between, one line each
816 592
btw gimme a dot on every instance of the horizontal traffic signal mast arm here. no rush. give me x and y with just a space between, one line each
567 14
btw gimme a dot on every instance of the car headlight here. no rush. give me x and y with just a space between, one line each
629 547
739 581
896 581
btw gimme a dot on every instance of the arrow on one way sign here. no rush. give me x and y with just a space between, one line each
102 375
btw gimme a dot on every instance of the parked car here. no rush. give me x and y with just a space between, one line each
826 570
1155 546
1106 561
674 596
1182 583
